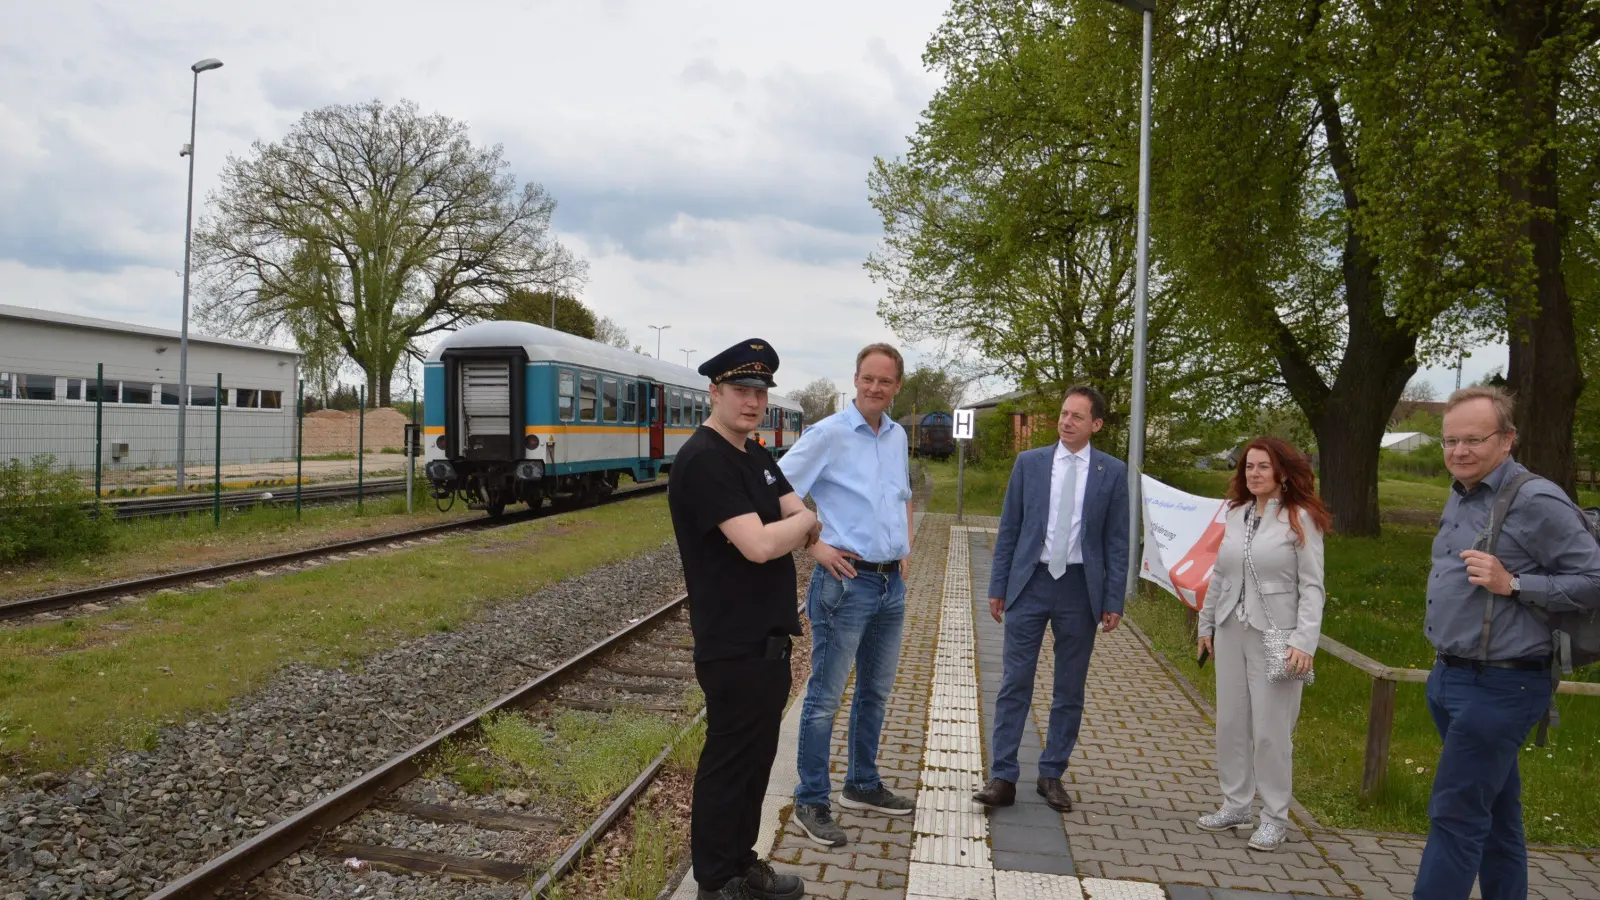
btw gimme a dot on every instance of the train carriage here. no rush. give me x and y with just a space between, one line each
519 413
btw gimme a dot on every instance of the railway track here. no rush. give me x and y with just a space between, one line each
31 606
644 665
166 505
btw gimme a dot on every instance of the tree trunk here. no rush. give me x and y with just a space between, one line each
1544 370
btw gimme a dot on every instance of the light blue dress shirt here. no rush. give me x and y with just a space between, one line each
861 483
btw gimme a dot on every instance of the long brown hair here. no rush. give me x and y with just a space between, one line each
1299 484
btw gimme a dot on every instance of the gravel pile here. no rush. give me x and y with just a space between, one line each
145 818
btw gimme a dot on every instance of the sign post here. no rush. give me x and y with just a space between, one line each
962 432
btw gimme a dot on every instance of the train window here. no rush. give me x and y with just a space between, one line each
699 410
608 398
675 407
587 389
566 391
630 402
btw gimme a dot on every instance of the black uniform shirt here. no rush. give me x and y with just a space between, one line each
734 604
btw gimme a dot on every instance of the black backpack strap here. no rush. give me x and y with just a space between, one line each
1497 520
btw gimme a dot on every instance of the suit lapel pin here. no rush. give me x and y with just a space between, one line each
1099 468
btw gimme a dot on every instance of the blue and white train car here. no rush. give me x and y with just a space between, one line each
517 412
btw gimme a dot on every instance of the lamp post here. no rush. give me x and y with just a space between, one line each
659 329
686 354
1136 427
204 65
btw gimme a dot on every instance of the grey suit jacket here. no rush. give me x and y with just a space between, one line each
1291 578
1025 518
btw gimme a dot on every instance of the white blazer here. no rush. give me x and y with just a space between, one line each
1291 576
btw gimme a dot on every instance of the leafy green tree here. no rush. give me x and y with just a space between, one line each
927 389
383 224
571 314
1009 225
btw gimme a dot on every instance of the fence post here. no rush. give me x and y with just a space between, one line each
1380 724
299 444
99 430
216 489
361 451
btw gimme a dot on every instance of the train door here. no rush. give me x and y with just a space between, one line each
658 422
780 417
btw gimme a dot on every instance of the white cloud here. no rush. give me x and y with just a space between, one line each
709 158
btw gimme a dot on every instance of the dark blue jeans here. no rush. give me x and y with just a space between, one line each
1476 811
1064 607
856 622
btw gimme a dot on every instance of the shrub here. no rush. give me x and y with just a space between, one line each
1423 462
42 514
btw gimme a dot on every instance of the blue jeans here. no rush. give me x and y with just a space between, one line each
1476 810
1064 606
857 621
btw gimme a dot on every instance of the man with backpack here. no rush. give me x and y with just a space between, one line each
1513 600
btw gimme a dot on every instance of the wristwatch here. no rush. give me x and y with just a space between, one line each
1516 587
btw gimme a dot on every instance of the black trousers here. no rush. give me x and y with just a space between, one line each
744 709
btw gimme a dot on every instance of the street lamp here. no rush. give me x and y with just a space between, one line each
686 357
204 65
659 329
1147 9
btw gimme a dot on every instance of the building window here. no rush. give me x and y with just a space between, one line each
630 402
608 398
587 385
202 395
36 387
169 395
246 398
136 392
566 390
107 391
74 388
6 392
271 399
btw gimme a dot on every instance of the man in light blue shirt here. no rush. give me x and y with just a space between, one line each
855 466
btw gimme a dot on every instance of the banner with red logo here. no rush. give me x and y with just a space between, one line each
1182 533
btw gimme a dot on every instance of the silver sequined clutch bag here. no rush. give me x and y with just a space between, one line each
1275 640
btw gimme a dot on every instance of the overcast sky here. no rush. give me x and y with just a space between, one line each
709 158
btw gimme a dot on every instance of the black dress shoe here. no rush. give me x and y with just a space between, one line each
999 792
1055 794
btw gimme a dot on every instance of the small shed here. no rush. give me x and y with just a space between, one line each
1406 441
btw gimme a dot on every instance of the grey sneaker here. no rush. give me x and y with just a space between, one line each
817 822
1223 820
879 799
1268 837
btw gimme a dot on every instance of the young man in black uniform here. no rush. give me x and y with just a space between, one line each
737 521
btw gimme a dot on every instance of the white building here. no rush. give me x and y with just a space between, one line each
1406 441
50 396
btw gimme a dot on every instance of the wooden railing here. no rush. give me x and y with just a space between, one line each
1380 719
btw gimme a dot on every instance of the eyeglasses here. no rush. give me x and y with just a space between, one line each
1471 443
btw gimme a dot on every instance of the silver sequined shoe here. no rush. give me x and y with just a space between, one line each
1222 820
1268 837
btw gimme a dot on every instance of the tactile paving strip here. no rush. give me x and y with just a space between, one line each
1106 889
1036 886
928 880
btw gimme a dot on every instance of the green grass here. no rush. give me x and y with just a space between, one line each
590 756
1377 597
69 690
985 488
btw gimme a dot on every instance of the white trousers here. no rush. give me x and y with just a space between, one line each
1255 725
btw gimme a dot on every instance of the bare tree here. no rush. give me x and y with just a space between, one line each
381 224
818 400
1419 390
607 331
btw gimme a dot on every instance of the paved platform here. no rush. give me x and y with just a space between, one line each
1142 771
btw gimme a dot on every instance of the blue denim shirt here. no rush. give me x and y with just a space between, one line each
861 483
1544 542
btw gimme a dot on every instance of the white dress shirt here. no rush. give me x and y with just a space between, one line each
1074 529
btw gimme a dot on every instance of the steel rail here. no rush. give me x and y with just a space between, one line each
233 869
16 609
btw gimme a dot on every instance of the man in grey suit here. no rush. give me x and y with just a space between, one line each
1060 559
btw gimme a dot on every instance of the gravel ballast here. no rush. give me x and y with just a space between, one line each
144 818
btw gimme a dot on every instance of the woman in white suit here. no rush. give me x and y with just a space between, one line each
1268 580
